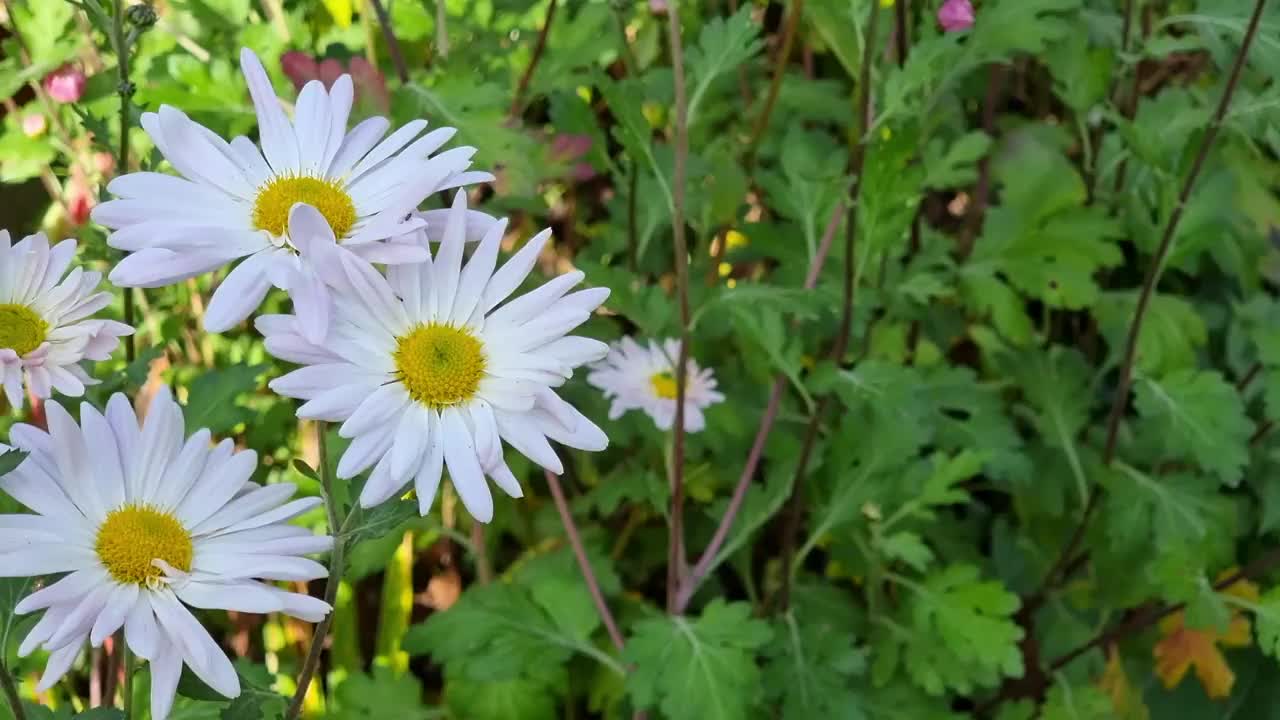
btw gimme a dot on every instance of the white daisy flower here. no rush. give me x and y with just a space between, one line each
45 328
428 369
145 525
644 378
234 200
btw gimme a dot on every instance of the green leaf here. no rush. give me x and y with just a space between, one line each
698 669
814 660
1202 419
1075 702
960 632
1267 622
500 632
211 399
958 165
10 461
499 700
254 705
377 522
381 694
1172 331
723 45
106 713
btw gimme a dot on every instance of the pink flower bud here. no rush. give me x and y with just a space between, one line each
658 7
956 15
330 71
371 84
104 162
66 84
33 125
299 67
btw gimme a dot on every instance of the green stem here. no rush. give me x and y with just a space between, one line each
126 660
11 693
331 585
121 41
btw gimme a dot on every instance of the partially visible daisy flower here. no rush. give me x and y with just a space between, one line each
643 378
234 200
145 525
45 325
429 368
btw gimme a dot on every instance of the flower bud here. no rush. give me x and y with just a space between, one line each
66 84
956 15
141 16
33 125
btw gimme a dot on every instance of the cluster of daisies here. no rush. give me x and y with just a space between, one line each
427 365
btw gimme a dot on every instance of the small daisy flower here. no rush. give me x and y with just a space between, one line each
235 200
429 368
45 325
145 525
643 378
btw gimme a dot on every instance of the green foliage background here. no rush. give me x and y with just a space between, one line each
960 527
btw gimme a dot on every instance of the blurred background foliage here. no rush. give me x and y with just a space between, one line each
963 524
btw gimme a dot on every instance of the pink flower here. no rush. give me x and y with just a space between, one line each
66 84
658 7
955 15
568 148
33 125
370 85
299 67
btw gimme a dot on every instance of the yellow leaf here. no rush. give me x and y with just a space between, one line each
341 11
1184 648
1114 682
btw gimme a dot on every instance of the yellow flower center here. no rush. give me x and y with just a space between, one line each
278 196
441 365
21 329
133 536
664 385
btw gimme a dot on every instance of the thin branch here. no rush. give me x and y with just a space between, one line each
579 552
902 29
1166 241
982 193
779 70
336 561
1249 377
1149 615
539 47
1129 104
676 561
703 566
791 517
393 45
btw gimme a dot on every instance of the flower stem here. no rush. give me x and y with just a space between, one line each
393 45
120 39
517 102
708 558
336 562
11 692
794 510
588 575
126 690
676 561
779 70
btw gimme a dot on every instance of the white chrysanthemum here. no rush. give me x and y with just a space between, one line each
45 328
644 378
234 200
428 368
144 525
